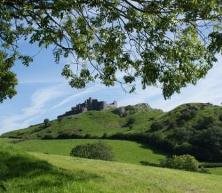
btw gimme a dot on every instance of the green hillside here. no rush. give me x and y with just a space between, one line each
43 173
92 123
124 151
190 128
194 128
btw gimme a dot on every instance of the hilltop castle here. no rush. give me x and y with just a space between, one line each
89 104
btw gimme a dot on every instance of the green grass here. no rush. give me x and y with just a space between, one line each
22 173
94 123
124 151
216 170
44 173
113 177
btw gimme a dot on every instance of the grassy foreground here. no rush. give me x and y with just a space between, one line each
113 177
124 151
46 173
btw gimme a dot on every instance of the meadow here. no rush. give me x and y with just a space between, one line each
43 173
124 151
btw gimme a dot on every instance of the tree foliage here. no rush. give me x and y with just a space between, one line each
166 43
46 123
182 162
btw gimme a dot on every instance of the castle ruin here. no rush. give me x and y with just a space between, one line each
88 105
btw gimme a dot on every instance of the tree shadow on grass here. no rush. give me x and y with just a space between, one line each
23 173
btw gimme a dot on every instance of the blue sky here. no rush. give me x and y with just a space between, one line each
44 93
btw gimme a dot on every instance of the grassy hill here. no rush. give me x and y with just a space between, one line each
191 128
92 123
43 173
194 128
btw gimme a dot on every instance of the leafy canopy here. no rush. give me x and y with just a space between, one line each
165 43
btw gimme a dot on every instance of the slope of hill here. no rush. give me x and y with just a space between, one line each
92 123
190 128
194 128
43 173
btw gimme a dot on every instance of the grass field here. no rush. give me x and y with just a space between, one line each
47 173
217 170
122 178
124 151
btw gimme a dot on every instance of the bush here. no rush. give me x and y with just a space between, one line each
93 151
220 117
155 126
104 136
204 122
130 122
46 123
182 162
207 145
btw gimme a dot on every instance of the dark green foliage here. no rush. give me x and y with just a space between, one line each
196 130
155 126
182 162
104 136
220 117
130 121
46 123
165 37
8 79
211 165
207 145
187 113
93 151
204 122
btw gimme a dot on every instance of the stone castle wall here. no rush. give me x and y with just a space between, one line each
89 104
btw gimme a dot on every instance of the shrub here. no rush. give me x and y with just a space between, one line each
104 136
46 123
204 122
97 150
130 122
183 148
220 117
183 162
59 119
207 144
155 126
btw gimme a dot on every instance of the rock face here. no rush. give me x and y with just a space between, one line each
89 104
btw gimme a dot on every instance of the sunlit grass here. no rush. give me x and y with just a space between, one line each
124 151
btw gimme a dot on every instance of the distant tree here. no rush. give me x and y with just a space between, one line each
46 123
130 122
207 144
161 43
205 122
155 126
220 117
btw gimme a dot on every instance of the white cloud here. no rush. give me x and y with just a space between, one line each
208 89
37 107
78 94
